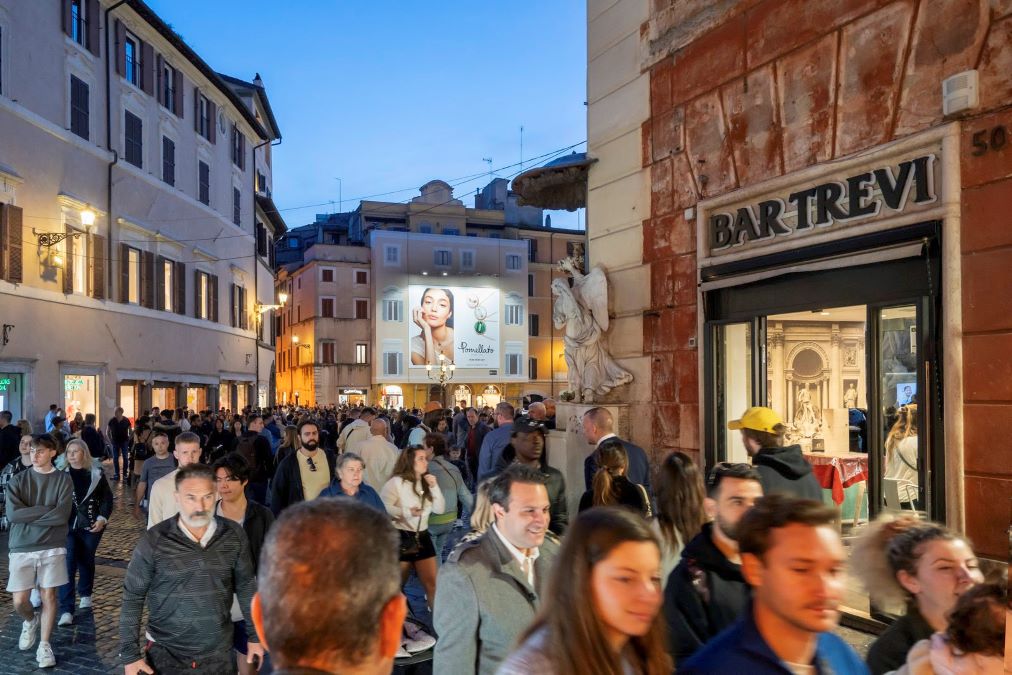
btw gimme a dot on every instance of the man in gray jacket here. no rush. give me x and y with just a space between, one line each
489 589
39 503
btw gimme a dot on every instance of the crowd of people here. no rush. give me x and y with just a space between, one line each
281 540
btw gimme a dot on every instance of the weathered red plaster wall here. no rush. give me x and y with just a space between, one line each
767 88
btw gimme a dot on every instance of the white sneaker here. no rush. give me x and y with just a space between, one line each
417 640
402 653
45 656
85 602
65 619
29 633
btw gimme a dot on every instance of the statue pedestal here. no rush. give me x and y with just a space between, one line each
568 447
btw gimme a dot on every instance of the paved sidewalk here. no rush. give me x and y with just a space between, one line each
90 645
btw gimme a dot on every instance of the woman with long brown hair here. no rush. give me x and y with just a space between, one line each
901 457
610 487
680 515
604 617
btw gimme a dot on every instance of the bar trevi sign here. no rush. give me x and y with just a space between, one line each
886 190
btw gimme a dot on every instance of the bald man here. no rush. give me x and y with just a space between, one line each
379 454
598 426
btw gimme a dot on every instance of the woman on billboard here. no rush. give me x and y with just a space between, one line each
435 317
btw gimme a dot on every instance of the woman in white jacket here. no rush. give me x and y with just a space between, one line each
410 496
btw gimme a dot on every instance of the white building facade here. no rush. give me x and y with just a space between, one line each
136 220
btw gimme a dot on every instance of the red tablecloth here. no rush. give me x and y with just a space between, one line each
836 472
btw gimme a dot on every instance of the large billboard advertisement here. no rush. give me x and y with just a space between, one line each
461 323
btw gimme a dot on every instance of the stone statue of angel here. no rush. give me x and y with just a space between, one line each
583 311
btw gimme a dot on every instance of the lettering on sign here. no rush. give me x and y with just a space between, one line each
73 383
859 197
4 383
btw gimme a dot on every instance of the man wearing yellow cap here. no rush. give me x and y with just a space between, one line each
782 470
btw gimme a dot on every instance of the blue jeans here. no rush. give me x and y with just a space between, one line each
81 547
440 536
119 449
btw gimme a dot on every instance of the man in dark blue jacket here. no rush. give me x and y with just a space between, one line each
598 426
793 559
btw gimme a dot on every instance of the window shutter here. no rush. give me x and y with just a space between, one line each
197 297
67 18
196 109
242 151
212 288
180 299
243 319
98 267
147 68
68 265
13 216
148 279
212 125
4 244
120 48
231 304
160 81
124 273
93 12
177 92
160 283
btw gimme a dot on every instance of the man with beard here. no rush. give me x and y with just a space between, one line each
527 446
302 475
706 592
794 562
187 568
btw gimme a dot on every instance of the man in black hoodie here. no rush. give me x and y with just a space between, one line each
782 470
706 592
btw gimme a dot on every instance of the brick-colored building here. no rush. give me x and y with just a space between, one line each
785 172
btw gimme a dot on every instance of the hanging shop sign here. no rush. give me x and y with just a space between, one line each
352 392
886 190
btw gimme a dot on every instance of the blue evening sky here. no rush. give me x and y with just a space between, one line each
389 95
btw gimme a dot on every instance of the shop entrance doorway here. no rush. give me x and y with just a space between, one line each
848 357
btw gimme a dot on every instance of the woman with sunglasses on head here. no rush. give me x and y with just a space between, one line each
916 569
605 615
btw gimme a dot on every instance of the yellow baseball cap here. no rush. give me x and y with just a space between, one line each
757 418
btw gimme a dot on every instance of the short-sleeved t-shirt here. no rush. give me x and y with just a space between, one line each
154 469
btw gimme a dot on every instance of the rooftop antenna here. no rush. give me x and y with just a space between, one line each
521 147
488 160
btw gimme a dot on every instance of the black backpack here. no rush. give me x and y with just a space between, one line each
246 448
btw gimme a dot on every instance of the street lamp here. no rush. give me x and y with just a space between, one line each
442 374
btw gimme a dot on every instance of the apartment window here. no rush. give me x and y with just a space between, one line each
236 206
169 285
441 258
425 228
204 120
530 284
168 160
467 260
168 86
204 183
133 276
392 255
238 148
532 250
513 262
393 362
514 313
393 310
451 231
327 307
361 353
327 352
361 277
327 274
532 325
78 31
134 132
262 183
132 60
361 309
532 368
238 307
513 362
79 108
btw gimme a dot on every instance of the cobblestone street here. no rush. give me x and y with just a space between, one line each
91 643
